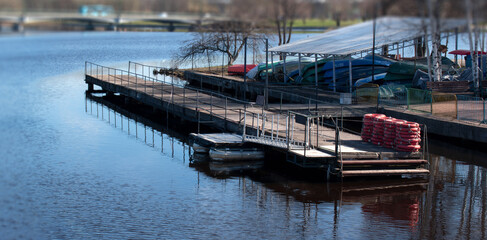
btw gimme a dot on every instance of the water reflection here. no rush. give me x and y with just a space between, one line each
450 203
151 133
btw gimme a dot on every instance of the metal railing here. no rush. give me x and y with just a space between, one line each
159 73
291 131
201 100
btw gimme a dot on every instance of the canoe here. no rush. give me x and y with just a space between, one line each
357 72
368 79
356 63
236 154
238 69
464 52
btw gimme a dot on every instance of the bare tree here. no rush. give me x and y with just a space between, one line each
340 9
284 14
226 38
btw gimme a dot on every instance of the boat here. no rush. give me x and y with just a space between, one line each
199 149
368 79
405 70
238 69
236 154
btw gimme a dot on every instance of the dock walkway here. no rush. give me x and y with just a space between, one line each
304 138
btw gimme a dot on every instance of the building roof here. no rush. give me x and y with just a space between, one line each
358 38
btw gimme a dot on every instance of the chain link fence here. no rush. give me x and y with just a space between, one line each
471 108
462 107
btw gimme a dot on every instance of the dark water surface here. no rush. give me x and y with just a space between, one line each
74 169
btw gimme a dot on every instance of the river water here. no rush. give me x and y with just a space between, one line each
74 169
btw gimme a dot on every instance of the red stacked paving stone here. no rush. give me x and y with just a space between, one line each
408 137
368 126
389 132
378 130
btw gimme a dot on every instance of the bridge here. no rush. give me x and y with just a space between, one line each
19 19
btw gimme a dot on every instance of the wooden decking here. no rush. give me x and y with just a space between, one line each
299 136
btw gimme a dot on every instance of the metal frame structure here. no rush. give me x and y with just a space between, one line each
328 50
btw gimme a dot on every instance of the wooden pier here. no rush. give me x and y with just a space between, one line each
307 140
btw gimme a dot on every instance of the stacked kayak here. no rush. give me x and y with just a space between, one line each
405 70
361 68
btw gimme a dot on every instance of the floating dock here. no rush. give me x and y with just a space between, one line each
306 140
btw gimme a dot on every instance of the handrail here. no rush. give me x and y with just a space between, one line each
211 102
308 99
94 69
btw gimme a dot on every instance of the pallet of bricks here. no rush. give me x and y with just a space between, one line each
390 132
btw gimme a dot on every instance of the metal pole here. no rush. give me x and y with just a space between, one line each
244 125
402 50
316 82
306 135
292 129
280 105
197 100
287 129
245 68
397 52
317 131
456 44
277 127
272 63
266 92
373 41
257 125
284 67
272 128
299 63
350 72
485 119
334 76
